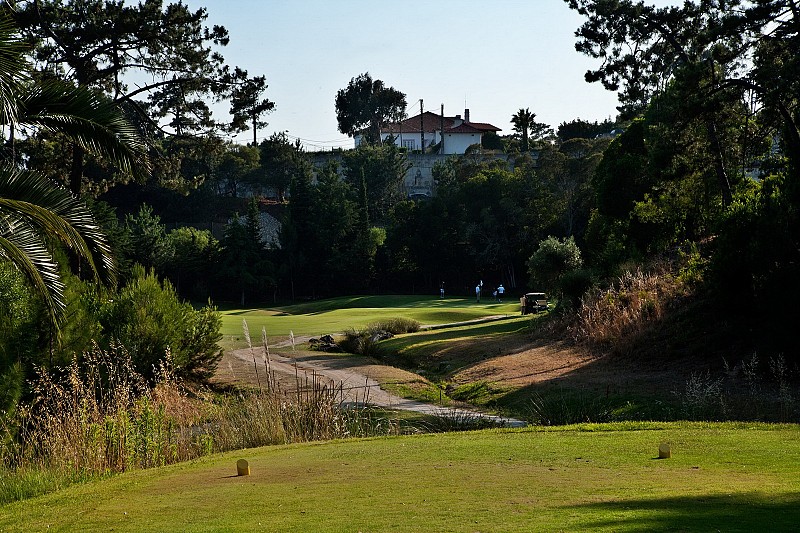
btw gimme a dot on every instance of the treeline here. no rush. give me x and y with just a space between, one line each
348 228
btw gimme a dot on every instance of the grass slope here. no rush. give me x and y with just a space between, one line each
721 477
441 351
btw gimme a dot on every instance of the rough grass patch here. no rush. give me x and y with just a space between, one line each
395 326
562 408
608 318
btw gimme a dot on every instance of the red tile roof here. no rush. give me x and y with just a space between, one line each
466 127
483 126
432 122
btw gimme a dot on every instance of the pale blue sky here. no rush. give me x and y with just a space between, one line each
497 55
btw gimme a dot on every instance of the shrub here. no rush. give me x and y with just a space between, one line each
551 260
395 326
148 318
21 336
362 342
703 398
365 341
574 285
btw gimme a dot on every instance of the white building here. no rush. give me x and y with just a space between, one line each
457 133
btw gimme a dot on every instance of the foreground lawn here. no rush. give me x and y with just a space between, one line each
334 315
721 477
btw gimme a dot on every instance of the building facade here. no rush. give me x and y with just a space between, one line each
432 133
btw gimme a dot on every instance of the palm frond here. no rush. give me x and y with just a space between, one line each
88 119
21 245
13 67
30 198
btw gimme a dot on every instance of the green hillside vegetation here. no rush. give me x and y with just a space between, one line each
724 477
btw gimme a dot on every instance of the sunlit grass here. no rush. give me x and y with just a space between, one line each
721 477
337 314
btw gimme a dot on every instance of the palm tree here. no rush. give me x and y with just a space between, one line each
35 212
522 121
526 126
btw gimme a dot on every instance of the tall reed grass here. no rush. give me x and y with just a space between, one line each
610 317
99 417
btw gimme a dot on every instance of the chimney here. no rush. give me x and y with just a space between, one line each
466 115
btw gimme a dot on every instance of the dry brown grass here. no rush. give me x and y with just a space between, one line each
610 318
100 416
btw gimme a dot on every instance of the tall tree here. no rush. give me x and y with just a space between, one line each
381 170
716 49
280 160
247 104
527 128
236 166
110 46
244 264
366 105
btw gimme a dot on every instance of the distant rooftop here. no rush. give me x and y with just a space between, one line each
430 122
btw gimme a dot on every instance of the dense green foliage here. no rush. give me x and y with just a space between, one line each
551 261
366 105
97 44
149 319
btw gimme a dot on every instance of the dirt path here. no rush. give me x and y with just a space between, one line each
354 376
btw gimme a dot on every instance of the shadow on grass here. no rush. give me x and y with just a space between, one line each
575 398
488 330
752 511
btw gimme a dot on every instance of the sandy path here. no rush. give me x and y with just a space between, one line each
352 376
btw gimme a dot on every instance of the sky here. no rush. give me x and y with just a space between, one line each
492 57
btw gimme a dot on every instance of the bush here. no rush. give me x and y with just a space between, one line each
552 259
362 342
395 326
148 318
365 341
21 319
611 317
574 285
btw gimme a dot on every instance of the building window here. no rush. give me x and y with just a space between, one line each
408 144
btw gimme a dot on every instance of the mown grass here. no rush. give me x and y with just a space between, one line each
432 351
721 477
419 390
337 314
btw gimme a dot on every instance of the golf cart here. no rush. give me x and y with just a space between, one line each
533 302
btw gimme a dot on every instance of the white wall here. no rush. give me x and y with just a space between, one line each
454 143
411 138
457 143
